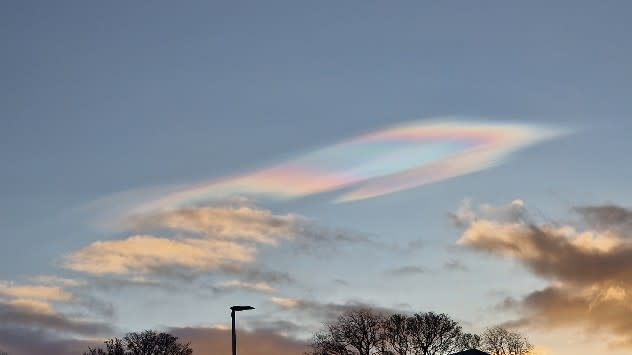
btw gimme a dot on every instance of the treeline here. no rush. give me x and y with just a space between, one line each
147 342
369 332
359 331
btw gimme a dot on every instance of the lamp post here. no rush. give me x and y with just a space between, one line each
234 309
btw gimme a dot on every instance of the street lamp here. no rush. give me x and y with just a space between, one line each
234 309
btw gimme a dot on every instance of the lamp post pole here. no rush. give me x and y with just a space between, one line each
234 309
232 315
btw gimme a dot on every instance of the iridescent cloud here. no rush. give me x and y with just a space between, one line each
389 160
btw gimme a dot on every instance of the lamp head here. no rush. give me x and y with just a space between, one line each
241 308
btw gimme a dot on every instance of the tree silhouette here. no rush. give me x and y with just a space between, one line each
500 341
147 342
433 334
467 341
396 334
354 332
366 332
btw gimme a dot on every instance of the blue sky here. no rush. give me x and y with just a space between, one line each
103 98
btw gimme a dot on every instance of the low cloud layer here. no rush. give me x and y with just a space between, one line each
38 315
204 340
590 270
319 311
256 342
34 306
199 240
209 250
26 341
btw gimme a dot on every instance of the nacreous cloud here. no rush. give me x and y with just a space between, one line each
590 271
378 163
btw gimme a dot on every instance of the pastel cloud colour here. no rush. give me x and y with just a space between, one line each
386 161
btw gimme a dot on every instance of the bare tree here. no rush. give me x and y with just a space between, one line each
433 334
396 335
323 343
147 342
366 332
467 341
500 341
356 332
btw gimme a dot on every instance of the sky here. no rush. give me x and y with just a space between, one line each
162 162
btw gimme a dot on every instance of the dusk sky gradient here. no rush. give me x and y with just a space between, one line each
162 161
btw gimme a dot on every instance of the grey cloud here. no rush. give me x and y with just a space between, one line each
25 341
416 244
326 311
607 217
96 305
110 284
321 241
21 317
407 270
278 326
454 265
259 274
341 282
547 253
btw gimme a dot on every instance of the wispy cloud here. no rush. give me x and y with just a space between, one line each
320 311
258 273
455 265
199 240
37 292
144 253
407 270
248 286
234 223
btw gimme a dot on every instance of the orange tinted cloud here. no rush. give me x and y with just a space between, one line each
144 253
590 271
235 223
49 293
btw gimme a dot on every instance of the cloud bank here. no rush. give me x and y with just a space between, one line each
590 270
199 240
